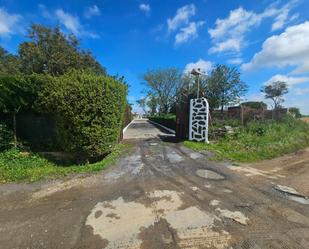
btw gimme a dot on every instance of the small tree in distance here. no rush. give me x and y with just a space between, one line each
162 84
275 92
142 103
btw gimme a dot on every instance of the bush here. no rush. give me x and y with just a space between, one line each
168 120
88 110
6 137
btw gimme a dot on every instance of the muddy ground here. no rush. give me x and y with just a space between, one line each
163 195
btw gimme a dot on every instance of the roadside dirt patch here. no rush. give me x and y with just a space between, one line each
190 227
290 170
55 187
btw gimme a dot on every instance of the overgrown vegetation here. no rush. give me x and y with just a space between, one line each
6 137
17 166
259 140
167 120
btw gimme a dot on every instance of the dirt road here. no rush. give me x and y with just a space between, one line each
163 195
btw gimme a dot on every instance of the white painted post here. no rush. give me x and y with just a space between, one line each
190 120
207 122
204 134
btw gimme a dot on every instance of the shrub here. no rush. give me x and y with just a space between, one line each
168 120
88 110
6 137
255 104
294 111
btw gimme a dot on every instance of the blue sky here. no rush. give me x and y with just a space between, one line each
267 41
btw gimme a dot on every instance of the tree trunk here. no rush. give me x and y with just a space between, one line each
15 130
222 114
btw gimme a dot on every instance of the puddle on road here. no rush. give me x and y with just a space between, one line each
173 156
120 222
128 166
195 155
209 174
292 194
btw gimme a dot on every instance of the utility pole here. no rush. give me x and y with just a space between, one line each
197 72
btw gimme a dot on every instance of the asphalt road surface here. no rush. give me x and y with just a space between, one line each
162 195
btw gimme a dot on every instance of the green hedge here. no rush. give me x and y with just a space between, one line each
167 120
88 110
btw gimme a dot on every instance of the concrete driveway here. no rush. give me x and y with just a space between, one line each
163 195
143 129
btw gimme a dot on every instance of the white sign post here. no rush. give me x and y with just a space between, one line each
198 122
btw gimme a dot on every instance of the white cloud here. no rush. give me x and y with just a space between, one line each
290 48
205 66
72 24
235 61
9 23
283 16
238 22
44 11
182 17
92 11
145 8
228 45
290 80
181 24
229 34
188 33
69 21
301 91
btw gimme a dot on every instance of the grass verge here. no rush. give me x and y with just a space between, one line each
16 166
259 141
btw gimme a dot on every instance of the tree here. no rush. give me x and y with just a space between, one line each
163 84
295 112
275 92
224 87
9 63
255 104
50 51
17 93
142 103
188 87
152 104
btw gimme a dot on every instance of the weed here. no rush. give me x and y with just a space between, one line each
259 141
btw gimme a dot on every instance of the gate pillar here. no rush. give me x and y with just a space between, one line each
198 121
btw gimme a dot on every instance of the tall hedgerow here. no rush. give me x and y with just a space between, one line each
88 110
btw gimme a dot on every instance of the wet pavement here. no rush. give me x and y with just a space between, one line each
161 195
